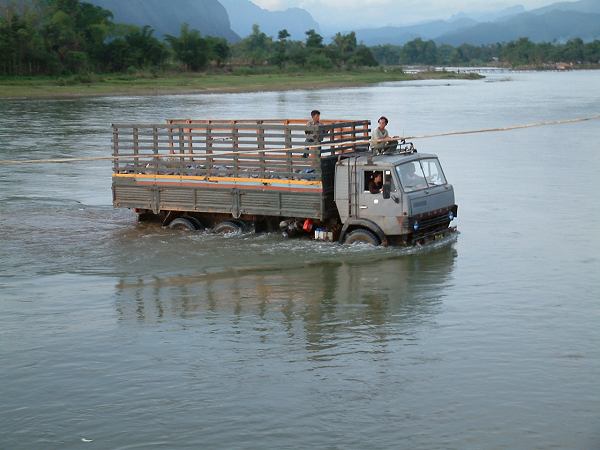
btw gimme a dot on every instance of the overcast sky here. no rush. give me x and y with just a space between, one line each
355 14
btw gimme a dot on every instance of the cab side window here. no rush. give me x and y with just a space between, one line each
374 180
368 178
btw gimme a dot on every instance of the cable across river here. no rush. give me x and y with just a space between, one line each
355 142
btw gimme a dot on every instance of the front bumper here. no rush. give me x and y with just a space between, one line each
431 223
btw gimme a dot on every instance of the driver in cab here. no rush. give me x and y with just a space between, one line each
410 179
376 183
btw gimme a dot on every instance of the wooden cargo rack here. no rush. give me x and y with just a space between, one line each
262 148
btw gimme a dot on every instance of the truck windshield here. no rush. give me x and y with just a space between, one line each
420 174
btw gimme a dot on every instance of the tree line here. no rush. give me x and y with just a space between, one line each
58 37
55 37
343 52
521 52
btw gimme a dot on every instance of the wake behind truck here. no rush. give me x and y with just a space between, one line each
232 176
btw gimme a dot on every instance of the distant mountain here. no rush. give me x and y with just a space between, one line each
490 16
243 14
557 22
583 6
550 26
401 35
166 17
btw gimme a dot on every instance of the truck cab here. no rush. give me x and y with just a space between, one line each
415 202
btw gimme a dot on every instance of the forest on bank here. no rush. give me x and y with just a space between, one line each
522 52
67 37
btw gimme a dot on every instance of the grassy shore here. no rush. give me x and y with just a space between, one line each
187 83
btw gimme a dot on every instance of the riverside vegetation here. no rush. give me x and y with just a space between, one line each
157 83
68 47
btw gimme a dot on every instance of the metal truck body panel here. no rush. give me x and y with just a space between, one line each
428 200
219 197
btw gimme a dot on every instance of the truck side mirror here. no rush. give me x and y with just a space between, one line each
386 190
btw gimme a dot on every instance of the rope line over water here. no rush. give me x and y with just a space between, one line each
514 127
302 148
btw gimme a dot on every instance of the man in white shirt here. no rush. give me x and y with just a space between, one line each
381 142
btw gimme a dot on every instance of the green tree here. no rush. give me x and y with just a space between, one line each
137 48
574 50
318 61
342 48
418 51
313 39
190 48
256 47
446 54
280 56
297 53
519 52
388 55
93 25
75 32
592 52
218 49
362 57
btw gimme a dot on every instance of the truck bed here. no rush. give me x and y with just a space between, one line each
258 167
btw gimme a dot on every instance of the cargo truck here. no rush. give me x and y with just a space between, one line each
233 176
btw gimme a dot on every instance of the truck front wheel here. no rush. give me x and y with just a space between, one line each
362 235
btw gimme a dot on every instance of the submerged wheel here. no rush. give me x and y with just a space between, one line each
229 227
183 223
362 235
199 225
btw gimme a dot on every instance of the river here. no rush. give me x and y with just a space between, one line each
119 335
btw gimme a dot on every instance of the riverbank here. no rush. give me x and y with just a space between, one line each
176 83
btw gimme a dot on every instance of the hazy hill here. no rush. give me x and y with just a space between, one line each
557 22
492 16
243 14
553 25
401 35
166 17
584 6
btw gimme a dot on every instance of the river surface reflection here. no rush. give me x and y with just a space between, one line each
132 336
328 297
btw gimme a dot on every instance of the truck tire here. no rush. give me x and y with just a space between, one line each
183 223
362 235
199 225
229 227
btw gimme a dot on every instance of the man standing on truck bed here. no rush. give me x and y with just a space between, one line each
313 136
381 142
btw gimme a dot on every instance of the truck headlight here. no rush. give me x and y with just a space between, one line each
416 226
451 215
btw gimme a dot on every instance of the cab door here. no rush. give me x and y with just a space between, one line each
373 206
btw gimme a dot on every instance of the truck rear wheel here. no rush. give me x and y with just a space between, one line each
184 223
229 227
199 225
362 235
